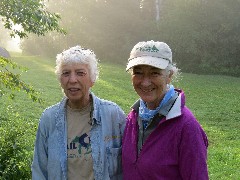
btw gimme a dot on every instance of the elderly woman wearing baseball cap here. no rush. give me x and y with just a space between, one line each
162 138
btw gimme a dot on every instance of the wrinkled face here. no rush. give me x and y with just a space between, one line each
150 83
76 83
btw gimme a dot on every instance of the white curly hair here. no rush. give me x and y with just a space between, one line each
80 55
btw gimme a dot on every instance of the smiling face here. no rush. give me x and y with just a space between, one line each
76 83
150 83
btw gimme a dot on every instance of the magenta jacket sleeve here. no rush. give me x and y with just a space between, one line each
193 152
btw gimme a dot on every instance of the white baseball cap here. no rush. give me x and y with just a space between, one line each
156 54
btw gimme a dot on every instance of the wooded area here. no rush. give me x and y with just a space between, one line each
204 35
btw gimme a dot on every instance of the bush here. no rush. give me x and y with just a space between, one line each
16 145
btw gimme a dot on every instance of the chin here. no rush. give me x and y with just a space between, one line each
147 100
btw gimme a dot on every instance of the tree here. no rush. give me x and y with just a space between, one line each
15 143
151 9
31 15
204 35
109 27
11 81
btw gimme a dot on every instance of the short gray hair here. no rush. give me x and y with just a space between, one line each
172 67
77 54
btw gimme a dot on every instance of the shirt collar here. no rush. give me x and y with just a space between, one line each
164 110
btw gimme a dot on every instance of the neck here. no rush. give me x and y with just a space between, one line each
79 104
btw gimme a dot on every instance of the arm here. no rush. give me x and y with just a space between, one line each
193 152
39 165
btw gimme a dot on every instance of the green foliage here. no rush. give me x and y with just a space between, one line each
33 18
11 81
17 134
31 15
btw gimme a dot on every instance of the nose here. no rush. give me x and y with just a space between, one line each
146 81
73 78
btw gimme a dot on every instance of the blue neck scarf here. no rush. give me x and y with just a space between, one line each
147 114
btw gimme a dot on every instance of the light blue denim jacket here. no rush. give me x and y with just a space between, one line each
50 153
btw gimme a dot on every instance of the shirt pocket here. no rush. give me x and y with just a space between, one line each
114 159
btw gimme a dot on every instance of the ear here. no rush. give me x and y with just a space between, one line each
92 83
169 77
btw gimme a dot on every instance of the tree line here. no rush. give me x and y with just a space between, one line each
203 35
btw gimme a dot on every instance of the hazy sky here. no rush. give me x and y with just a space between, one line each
13 45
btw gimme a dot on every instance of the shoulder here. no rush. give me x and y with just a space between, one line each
106 111
187 120
107 105
191 126
51 112
105 102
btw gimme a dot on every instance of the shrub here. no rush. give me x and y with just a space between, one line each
16 145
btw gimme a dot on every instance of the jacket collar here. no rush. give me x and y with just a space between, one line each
95 111
172 109
175 110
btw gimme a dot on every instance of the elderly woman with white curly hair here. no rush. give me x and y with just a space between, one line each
79 137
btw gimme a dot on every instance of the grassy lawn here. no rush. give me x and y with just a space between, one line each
213 99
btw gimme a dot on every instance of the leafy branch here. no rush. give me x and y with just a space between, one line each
11 81
32 16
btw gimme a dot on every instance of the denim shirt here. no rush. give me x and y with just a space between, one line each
50 152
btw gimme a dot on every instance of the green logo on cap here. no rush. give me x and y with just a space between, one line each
148 49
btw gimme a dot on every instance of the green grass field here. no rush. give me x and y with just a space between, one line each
213 99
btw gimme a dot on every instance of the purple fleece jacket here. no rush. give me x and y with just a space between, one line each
175 150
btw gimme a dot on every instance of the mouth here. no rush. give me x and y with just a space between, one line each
73 89
147 90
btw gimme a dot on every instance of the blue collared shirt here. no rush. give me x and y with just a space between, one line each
50 152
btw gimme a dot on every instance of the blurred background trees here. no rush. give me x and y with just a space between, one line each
204 35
